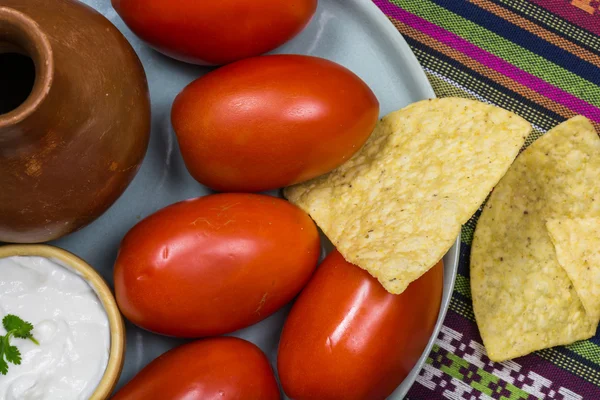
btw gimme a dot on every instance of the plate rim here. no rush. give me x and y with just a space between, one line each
400 45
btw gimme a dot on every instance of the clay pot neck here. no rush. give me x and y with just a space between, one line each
26 71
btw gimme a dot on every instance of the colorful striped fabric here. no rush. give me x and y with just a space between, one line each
541 60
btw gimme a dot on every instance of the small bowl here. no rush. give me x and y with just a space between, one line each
117 328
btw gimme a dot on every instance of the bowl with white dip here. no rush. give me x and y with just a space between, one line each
77 348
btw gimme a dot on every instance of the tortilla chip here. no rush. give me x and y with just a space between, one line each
577 246
397 206
523 299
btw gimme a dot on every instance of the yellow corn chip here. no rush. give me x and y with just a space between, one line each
397 206
523 299
577 245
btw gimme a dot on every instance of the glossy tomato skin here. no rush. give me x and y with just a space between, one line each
214 264
347 338
218 368
215 32
272 121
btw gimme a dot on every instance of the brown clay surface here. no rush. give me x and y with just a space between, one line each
70 150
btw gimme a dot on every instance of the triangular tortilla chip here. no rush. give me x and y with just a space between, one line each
577 245
522 298
397 206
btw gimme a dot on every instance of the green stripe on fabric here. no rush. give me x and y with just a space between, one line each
453 370
586 349
488 92
462 308
505 49
545 17
478 378
484 385
463 286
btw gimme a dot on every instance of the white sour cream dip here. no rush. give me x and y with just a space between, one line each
69 323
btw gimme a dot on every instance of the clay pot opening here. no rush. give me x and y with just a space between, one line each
17 76
26 66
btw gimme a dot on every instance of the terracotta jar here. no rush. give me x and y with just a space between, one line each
74 117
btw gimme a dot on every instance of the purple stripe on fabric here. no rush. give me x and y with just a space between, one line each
490 60
531 363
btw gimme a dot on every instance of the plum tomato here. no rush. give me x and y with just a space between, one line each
214 264
215 32
347 338
224 368
272 121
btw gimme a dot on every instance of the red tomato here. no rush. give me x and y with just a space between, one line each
272 121
215 32
224 368
347 338
215 264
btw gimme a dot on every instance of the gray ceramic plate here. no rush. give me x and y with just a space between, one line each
353 33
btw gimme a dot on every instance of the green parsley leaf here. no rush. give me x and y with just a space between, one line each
13 355
3 366
15 327
19 328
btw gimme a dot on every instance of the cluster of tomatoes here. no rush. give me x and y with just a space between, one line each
212 265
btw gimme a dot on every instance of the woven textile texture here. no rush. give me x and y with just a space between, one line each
541 60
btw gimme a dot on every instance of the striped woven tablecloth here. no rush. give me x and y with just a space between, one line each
541 60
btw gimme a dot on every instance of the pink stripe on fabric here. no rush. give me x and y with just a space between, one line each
490 60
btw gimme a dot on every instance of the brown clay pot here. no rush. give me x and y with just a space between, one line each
74 117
